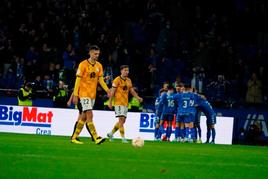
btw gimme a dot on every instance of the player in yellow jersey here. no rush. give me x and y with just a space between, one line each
121 87
88 74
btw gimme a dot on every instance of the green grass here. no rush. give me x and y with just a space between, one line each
33 156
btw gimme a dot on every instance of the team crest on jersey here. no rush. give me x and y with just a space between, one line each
97 70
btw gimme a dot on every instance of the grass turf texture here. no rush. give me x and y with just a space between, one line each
34 156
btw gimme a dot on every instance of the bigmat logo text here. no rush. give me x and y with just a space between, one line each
26 116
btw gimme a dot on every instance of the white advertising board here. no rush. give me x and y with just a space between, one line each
53 121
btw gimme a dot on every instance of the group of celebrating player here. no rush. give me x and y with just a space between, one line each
184 106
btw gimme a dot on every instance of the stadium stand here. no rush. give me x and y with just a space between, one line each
43 41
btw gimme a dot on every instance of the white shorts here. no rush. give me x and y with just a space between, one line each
120 111
87 103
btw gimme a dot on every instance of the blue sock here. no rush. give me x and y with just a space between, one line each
213 134
187 132
208 134
179 132
193 134
156 132
169 131
182 133
160 132
199 131
190 133
177 129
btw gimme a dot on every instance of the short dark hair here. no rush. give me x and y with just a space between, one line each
180 84
123 66
28 84
162 90
94 47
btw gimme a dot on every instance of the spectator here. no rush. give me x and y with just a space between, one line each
60 97
25 95
197 81
254 90
219 91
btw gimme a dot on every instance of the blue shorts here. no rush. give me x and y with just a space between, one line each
167 117
185 118
211 120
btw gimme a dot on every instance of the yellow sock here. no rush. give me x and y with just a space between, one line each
92 129
122 132
116 127
78 129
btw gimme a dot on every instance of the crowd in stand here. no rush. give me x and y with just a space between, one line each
220 47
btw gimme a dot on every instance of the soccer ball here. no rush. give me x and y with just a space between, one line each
138 142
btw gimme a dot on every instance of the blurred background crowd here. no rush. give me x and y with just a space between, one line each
219 47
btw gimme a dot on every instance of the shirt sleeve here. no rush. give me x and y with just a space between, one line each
100 70
80 70
130 84
115 83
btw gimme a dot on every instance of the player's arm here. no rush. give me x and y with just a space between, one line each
76 87
112 91
69 102
162 101
133 92
104 85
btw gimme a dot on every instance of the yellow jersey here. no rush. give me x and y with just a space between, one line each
122 89
89 74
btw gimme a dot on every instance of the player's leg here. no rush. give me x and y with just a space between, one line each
169 126
213 133
208 134
78 128
189 124
92 138
121 113
181 131
79 124
161 128
115 128
177 131
197 128
198 132
212 126
122 120
75 125
211 121
180 124
118 112
157 126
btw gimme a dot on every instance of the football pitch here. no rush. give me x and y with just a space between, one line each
35 156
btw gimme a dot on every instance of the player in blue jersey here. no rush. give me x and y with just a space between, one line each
179 130
210 114
186 111
167 103
158 113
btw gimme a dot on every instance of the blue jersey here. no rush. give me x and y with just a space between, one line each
186 103
158 108
205 107
167 101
